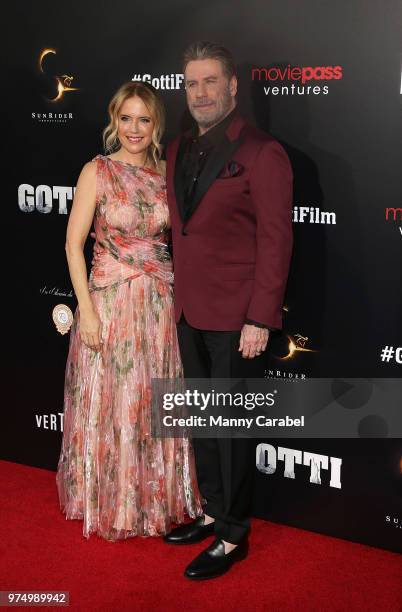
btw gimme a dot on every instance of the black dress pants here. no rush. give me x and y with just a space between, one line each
225 466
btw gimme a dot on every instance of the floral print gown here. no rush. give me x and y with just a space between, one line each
112 473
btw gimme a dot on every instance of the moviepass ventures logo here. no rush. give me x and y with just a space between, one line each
296 80
394 215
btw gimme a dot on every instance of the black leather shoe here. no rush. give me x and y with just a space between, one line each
213 562
191 533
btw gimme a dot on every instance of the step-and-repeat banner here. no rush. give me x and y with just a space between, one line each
325 79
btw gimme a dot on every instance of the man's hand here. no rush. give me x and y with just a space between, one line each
253 341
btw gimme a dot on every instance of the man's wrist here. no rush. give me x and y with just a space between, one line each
262 325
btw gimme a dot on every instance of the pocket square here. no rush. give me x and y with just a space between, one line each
231 169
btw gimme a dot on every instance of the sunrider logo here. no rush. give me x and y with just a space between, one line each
296 80
393 521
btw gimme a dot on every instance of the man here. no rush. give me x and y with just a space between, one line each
230 197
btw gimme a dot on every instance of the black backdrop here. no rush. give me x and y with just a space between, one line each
341 129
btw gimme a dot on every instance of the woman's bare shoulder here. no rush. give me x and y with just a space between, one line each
89 169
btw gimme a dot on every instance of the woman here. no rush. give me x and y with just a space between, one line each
111 472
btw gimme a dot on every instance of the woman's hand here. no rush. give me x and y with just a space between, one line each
91 329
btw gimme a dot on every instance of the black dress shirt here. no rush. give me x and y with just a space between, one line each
197 150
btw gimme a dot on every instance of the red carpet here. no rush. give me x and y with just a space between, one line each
287 569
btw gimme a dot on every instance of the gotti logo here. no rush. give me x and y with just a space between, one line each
267 458
62 83
164 81
44 198
297 73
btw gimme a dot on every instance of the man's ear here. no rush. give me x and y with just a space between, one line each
233 86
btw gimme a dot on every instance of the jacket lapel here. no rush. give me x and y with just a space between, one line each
178 176
214 165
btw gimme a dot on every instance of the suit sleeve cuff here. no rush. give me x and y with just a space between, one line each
262 325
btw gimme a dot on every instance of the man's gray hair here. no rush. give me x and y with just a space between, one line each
204 49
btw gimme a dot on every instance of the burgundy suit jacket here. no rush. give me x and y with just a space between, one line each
231 257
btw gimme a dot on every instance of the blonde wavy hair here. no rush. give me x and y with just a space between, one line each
154 104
